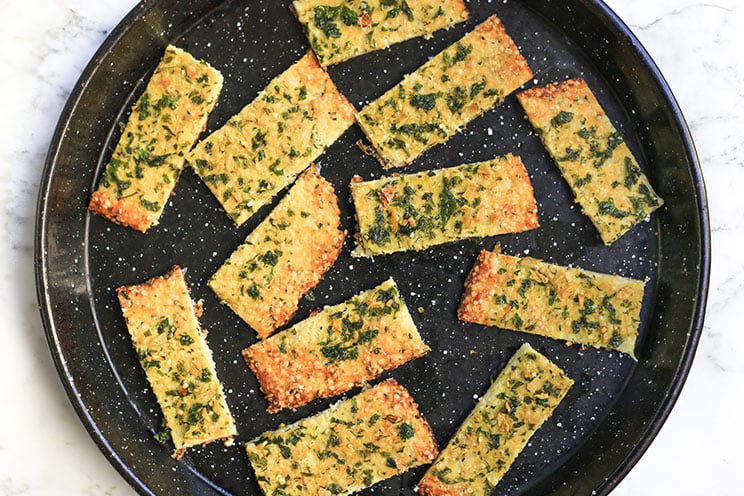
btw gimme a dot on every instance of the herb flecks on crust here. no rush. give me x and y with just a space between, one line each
263 148
338 31
284 257
416 211
566 303
441 97
349 447
164 124
163 323
338 348
592 155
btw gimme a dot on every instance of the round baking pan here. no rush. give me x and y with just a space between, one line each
616 406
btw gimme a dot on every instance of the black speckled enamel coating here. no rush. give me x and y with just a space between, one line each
616 406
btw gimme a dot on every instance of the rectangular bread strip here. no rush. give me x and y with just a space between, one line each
163 126
339 30
349 447
522 398
284 257
163 323
416 211
338 348
571 304
592 156
442 96
263 148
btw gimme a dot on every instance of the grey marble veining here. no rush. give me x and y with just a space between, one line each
44 47
694 45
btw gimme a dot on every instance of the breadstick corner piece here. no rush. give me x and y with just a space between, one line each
336 349
284 257
264 147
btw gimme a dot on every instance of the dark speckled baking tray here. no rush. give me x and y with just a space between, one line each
617 405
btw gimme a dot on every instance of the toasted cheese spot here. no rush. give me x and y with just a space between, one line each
162 322
605 177
263 148
284 257
442 96
570 304
416 211
338 348
162 127
340 30
517 403
349 447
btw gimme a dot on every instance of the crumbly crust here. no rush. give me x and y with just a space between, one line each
263 148
441 97
378 434
164 124
284 257
592 155
336 349
570 304
416 211
162 321
517 403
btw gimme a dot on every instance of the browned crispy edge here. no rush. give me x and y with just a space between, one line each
430 450
344 107
330 253
572 88
270 388
116 212
477 287
175 271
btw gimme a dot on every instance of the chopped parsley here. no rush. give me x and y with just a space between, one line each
563 117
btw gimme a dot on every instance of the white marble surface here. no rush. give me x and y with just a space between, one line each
44 46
